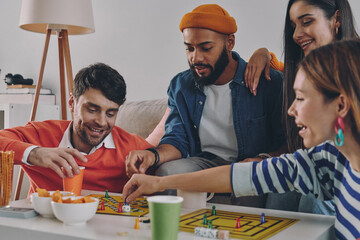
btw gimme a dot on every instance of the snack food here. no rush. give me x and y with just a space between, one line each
6 175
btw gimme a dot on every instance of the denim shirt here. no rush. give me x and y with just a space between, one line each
257 119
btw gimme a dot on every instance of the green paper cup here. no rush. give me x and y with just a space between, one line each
165 216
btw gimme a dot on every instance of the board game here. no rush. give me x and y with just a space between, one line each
111 203
251 226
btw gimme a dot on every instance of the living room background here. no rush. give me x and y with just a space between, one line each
140 38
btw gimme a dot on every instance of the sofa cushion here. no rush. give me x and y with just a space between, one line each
141 117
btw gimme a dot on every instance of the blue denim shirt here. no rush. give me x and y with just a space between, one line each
257 119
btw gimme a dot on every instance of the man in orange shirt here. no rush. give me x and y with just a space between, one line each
91 139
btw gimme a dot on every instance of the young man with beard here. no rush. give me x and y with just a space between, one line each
46 148
214 119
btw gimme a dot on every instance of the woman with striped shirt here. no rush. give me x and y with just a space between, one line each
326 107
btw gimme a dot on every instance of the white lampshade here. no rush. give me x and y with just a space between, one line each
74 15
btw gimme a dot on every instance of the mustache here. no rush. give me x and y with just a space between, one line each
201 65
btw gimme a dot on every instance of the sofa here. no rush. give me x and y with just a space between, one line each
141 117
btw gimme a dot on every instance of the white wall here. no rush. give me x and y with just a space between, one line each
140 38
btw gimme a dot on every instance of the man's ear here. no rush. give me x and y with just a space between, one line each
343 106
71 102
230 42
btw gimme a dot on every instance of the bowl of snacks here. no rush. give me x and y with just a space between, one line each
41 201
75 210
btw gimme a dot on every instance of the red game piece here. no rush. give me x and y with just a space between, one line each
102 207
238 224
119 208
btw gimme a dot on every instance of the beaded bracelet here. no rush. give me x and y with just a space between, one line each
157 156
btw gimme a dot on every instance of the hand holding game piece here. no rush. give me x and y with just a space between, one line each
140 184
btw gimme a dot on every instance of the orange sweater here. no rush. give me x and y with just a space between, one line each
105 168
275 63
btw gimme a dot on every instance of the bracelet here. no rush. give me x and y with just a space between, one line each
157 156
263 155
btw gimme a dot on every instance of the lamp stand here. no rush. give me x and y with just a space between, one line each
64 56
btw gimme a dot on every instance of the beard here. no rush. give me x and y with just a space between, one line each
215 71
87 139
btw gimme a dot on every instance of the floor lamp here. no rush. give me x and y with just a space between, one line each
63 18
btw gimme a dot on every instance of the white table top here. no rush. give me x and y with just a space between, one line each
107 227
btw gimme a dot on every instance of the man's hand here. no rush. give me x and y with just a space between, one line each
57 158
139 161
140 184
258 62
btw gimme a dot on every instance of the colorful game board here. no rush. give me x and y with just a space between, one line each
251 228
138 209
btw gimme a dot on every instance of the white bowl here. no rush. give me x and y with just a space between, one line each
42 205
75 213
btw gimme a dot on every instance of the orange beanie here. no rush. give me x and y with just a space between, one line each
209 16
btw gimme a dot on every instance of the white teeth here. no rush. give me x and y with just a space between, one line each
95 130
306 43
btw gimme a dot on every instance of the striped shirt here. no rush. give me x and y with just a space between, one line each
322 170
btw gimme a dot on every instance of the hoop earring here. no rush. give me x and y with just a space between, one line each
339 129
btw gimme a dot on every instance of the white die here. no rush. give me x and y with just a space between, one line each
126 208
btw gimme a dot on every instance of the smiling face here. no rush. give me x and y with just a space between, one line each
207 54
314 115
94 118
312 28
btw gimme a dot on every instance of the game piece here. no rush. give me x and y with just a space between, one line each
205 222
106 194
126 208
137 225
210 224
102 206
262 218
213 210
119 210
223 235
238 224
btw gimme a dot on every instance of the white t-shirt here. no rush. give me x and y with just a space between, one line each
217 133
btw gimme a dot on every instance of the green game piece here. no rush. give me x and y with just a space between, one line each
106 194
213 210
210 224
205 220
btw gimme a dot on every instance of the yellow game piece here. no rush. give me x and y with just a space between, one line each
137 225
